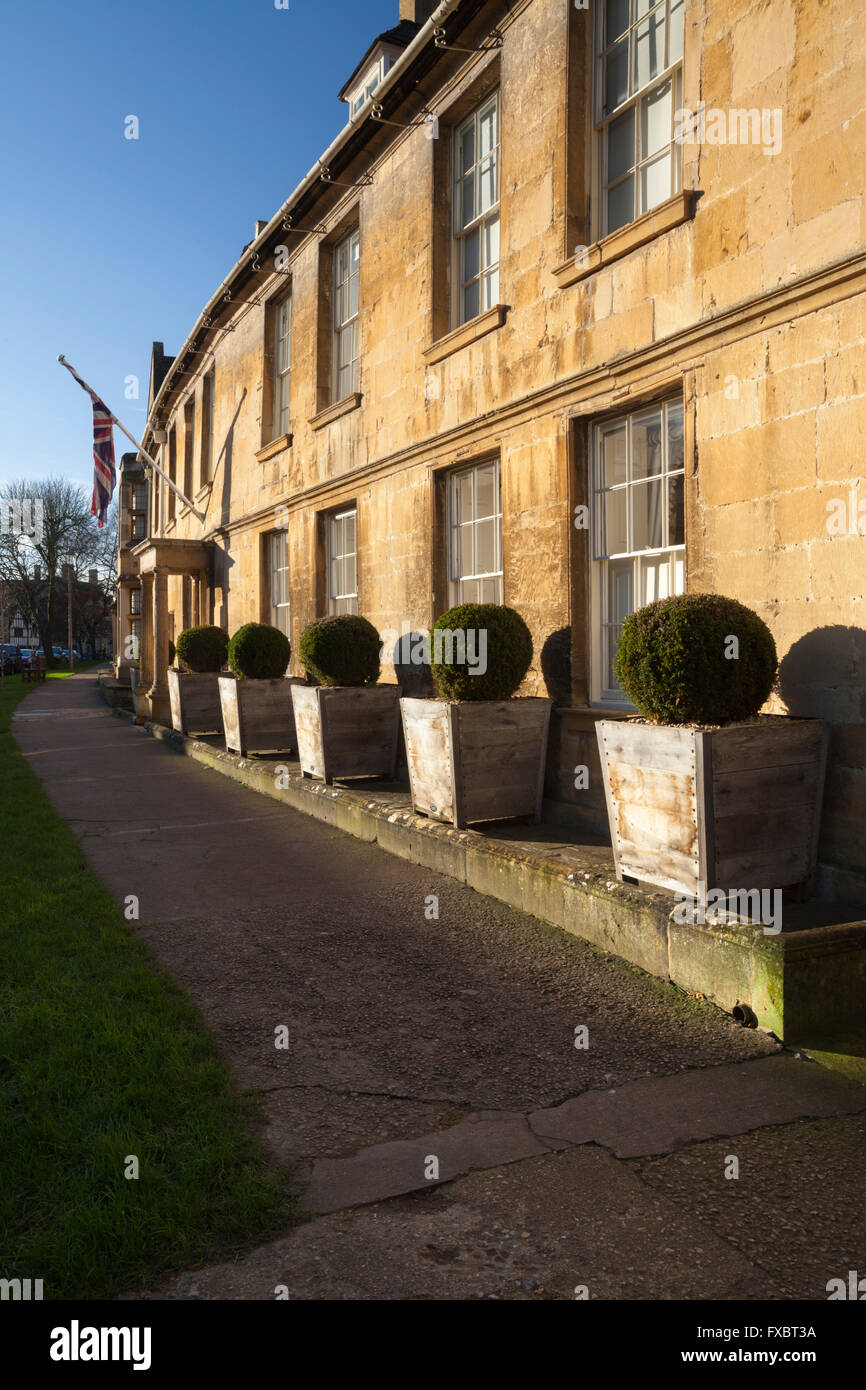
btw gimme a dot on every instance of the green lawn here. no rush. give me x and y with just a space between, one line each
101 1057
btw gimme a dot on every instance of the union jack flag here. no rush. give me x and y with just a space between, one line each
104 472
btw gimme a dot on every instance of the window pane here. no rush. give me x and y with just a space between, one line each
676 451
489 290
620 146
487 131
283 421
621 590
485 546
486 491
467 200
655 183
616 532
616 77
467 147
620 204
615 20
649 49
655 110
655 580
646 442
463 497
471 253
465 554
471 301
675 40
646 503
679 570
487 192
614 457
490 244
353 297
676 520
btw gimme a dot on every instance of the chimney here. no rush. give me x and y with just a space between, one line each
419 11
260 227
92 578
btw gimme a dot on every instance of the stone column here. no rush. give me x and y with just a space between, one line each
145 654
159 690
203 606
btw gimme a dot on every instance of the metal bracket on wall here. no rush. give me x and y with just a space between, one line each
325 176
289 226
440 41
377 110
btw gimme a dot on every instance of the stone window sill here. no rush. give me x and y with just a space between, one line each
467 333
276 446
203 492
334 412
611 248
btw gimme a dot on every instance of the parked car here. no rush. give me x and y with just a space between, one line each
27 654
10 657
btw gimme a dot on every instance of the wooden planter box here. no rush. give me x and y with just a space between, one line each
195 701
731 808
347 730
257 715
476 760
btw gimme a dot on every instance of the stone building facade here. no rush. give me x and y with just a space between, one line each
570 315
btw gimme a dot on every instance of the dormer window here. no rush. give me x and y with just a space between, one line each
368 86
375 65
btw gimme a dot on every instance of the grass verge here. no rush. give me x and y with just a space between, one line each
102 1057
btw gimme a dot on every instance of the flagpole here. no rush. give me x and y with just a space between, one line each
144 454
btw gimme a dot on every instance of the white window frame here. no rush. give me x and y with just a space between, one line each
342 559
655 571
482 225
373 77
457 523
279 595
346 325
282 367
636 102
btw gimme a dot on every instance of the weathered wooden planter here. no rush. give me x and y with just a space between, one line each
195 701
347 730
476 760
257 715
731 808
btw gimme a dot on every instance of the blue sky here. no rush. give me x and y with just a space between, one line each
108 244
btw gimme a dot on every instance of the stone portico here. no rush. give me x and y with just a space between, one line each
159 559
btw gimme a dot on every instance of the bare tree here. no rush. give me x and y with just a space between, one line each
43 526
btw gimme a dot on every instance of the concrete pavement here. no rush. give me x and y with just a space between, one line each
428 1022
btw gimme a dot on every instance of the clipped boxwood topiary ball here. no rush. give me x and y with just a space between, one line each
342 650
203 648
496 644
678 664
258 652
